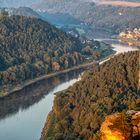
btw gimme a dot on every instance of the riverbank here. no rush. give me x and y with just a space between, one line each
117 49
30 82
68 104
31 105
28 108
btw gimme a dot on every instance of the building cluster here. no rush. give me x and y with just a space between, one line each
134 34
130 36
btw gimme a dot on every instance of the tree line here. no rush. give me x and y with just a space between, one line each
31 47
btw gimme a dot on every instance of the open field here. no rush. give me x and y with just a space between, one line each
120 3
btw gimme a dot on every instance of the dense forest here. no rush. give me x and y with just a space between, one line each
31 47
113 18
79 111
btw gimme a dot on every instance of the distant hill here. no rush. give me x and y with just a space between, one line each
79 111
31 47
61 5
22 11
112 19
59 18
55 18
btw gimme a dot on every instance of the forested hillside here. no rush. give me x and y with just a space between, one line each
30 47
79 111
22 11
106 17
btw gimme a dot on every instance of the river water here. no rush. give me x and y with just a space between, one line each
22 114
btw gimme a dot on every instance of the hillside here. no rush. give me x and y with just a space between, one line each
59 18
31 47
79 111
111 19
21 11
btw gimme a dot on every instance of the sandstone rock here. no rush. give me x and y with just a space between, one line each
121 126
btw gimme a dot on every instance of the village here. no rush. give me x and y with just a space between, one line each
132 38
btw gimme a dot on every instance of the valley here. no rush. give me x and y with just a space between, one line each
36 99
28 55
69 70
107 18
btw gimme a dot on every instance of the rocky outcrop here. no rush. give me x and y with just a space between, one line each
136 125
121 126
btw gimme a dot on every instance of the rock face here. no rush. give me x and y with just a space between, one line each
121 126
136 125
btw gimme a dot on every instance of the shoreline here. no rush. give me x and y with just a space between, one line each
84 65
49 120
30 82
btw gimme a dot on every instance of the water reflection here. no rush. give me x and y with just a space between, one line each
32 94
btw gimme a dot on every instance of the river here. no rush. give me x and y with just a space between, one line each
117 47
23 113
